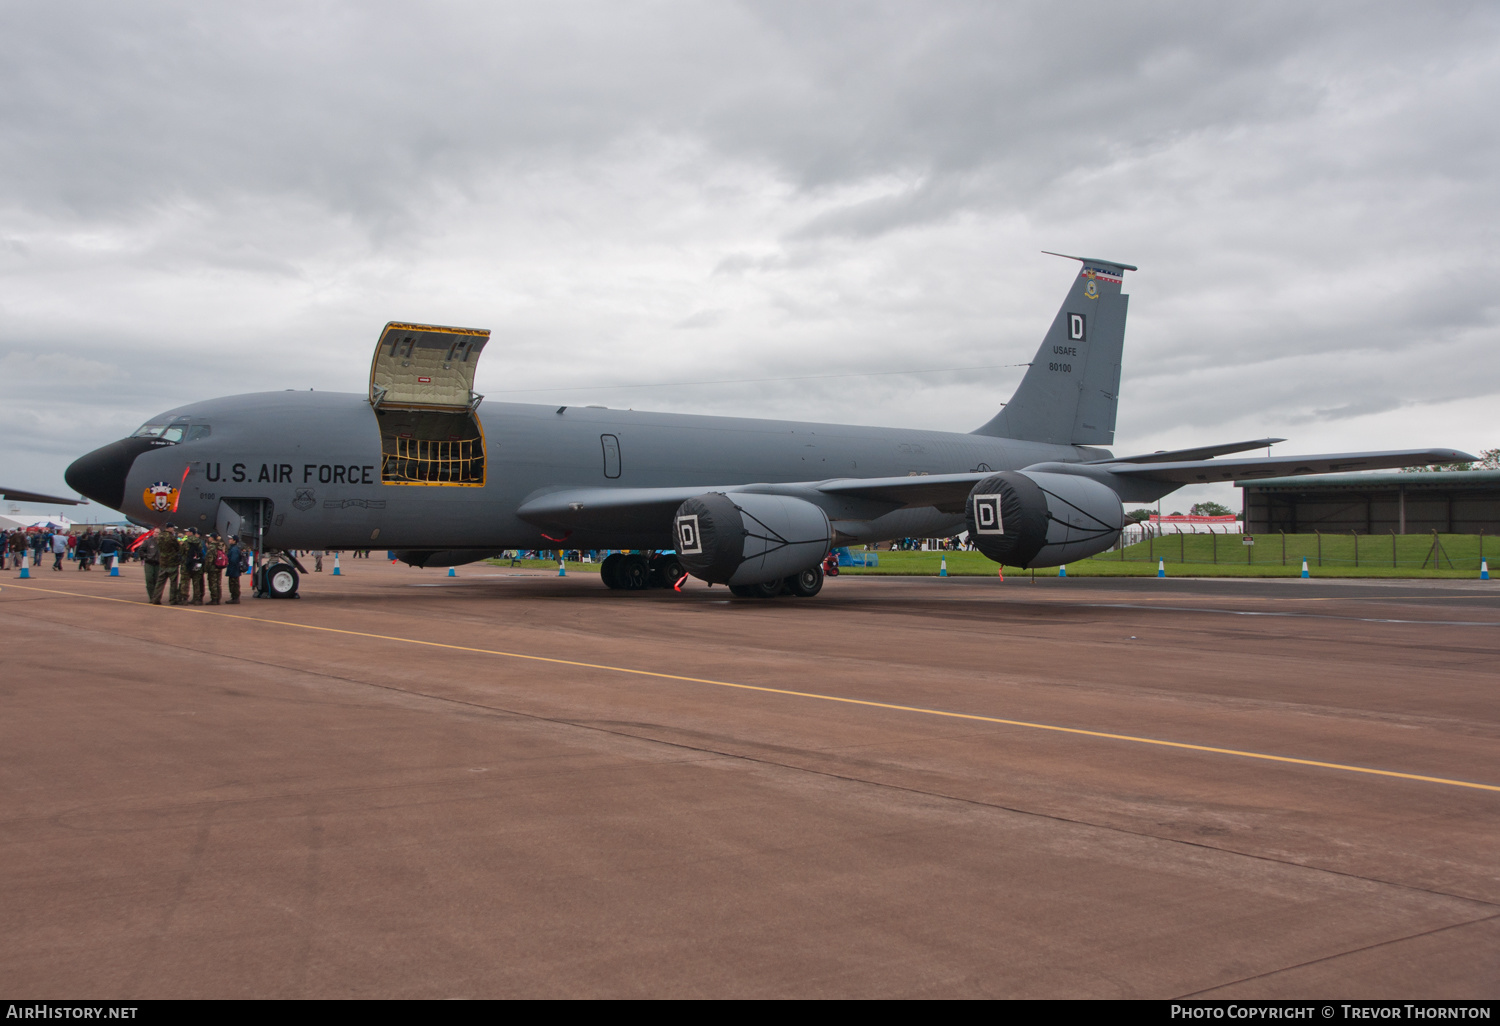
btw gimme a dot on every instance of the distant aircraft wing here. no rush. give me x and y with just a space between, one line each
1183 472
16 495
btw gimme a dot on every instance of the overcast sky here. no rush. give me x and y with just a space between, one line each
199 200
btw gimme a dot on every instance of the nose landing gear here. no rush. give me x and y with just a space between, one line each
279 578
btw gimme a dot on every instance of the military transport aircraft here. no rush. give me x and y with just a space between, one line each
418 466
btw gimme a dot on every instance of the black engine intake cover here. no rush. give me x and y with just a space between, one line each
1035 519
750 538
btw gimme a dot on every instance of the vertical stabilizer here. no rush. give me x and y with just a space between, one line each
1071 390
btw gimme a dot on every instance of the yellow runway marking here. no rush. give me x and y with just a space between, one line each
973 717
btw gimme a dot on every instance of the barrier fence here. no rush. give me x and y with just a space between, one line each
1427 551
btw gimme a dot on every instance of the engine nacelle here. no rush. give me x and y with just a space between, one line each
744 538
1032 519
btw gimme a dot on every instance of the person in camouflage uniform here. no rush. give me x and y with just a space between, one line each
192 567
151 563
213 573
169 559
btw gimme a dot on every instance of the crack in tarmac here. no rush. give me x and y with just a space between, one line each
1336 955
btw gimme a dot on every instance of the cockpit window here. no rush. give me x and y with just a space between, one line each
178 429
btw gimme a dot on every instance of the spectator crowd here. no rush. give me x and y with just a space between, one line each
83 547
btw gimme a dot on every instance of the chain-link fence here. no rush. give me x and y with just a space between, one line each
1418 551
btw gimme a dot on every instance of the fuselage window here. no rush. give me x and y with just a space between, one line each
198 431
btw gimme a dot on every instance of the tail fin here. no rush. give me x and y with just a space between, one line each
1071 391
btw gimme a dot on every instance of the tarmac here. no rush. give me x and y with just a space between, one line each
506 784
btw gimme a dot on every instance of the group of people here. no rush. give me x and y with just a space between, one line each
85 548
180 563
958 543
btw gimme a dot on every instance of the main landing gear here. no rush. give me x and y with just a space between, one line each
802 585
638 572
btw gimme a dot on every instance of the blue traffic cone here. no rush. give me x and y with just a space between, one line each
336 565
943 570
451 572
114 564
1484 569
1161 568
25 566
1304 567
1062 571
562 568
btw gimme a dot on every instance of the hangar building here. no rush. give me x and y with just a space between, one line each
1454 502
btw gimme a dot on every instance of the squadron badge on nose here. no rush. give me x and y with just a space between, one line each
160 497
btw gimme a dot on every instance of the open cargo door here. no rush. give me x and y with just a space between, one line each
422 388
426 367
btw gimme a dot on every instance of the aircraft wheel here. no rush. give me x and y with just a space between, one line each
281 580
806 584
634 573
666 571
609 570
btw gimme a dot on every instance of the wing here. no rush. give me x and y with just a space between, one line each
587 509
947 492
647 509
607 509
16 495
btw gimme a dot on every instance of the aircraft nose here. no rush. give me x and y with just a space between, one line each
100 475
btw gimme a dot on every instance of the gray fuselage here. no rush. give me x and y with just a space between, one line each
316 458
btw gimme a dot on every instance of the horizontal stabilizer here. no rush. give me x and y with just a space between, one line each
1202 452
1199 471
1094 260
